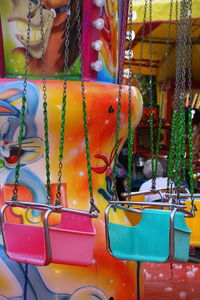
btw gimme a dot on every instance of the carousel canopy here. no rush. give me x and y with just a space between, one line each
160 20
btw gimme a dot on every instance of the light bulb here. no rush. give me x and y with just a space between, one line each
98 23
99 3
130 35
97 45
97 65
54 12
128 54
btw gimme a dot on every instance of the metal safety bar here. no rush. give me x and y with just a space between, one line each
184 195
141 203
53 208
152 192
180 207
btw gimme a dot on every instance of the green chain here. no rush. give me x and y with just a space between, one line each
117 139
23 108
190 139
177 154
93 207
121 68
64 103
130 148
183 142
130 131
45 105
171 157
151 120
190 145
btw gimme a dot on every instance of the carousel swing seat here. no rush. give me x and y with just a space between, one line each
193 223
75 235
160 236
70 242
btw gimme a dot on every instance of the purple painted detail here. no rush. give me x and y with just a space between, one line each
89 35
2 62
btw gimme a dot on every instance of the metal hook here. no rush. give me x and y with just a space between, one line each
93 207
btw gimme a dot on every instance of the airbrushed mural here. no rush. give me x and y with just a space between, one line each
14 23
107 278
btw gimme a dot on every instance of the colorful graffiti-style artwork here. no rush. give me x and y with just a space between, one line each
107 278
14 24
14 21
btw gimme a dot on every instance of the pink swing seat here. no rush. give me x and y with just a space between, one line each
75 237
71 242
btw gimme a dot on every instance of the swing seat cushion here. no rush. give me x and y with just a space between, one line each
72 242
149 240
25 243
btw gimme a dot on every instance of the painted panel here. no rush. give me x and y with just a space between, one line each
14 24
107 278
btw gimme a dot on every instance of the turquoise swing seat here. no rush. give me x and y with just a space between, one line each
150 239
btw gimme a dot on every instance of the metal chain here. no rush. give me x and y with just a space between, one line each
151 98
180 136
45 105
23 108
142 38
121 69
130 131
171 156
177 158
190 140
64 103
93 207
163 88
165 63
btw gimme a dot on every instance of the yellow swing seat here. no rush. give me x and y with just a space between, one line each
194 223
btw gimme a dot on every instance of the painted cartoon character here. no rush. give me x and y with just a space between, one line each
25 285
54 19
32 146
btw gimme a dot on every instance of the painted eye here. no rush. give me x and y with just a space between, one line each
4 130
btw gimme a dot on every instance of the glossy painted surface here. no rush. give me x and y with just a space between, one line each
106 277
14 25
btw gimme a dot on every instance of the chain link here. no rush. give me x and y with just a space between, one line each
142 38
163 88
177 155
84 107
190 139
45 105
23 108
121 69
64 103
130 131
151 104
